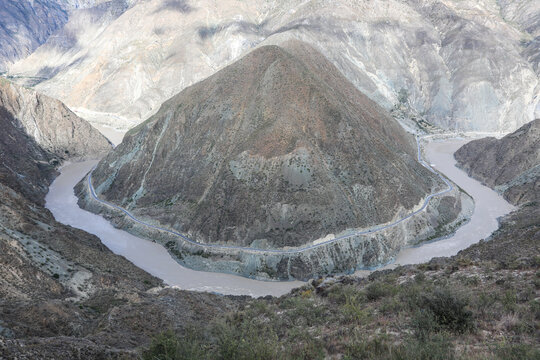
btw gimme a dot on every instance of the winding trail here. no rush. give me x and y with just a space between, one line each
299 249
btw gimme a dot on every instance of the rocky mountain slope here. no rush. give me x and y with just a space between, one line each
510 165
38 134
63 294
51 124
482 303
432 56
25 25
275 150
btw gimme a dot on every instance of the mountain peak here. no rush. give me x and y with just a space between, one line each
278 147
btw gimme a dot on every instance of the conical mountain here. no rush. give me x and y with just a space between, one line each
277 149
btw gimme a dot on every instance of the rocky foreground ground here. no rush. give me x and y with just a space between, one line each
482 303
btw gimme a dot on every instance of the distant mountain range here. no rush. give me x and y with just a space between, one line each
456 64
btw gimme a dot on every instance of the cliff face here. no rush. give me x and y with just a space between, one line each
277 148
25 167
50 124
38 133
510 165
430 56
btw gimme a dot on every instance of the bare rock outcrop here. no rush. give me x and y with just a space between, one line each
54 127
510 165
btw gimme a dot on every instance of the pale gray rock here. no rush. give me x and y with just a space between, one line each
25 25
457 64
51 124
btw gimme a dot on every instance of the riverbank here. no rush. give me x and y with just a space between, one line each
147 255
464 237
489 207
436 216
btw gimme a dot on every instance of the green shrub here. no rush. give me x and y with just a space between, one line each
167 346
354 309
517 352
509 300
449 310
438 347
247 339
340 293
308 349
377 348
379 289
424 324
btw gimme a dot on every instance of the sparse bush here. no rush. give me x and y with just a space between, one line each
167 346
377 348
341 293
306 347
420 277
303 310
379 289
449 310
245 338
517 352
436 348
509 300
424 324
353 309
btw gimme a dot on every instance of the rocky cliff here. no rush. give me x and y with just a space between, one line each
275 150
510 165
50 124
429 56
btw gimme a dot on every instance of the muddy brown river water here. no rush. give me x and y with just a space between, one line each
154 258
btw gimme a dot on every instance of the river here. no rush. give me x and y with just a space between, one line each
488 206
153 258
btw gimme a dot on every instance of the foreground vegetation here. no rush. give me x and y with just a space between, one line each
472 306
